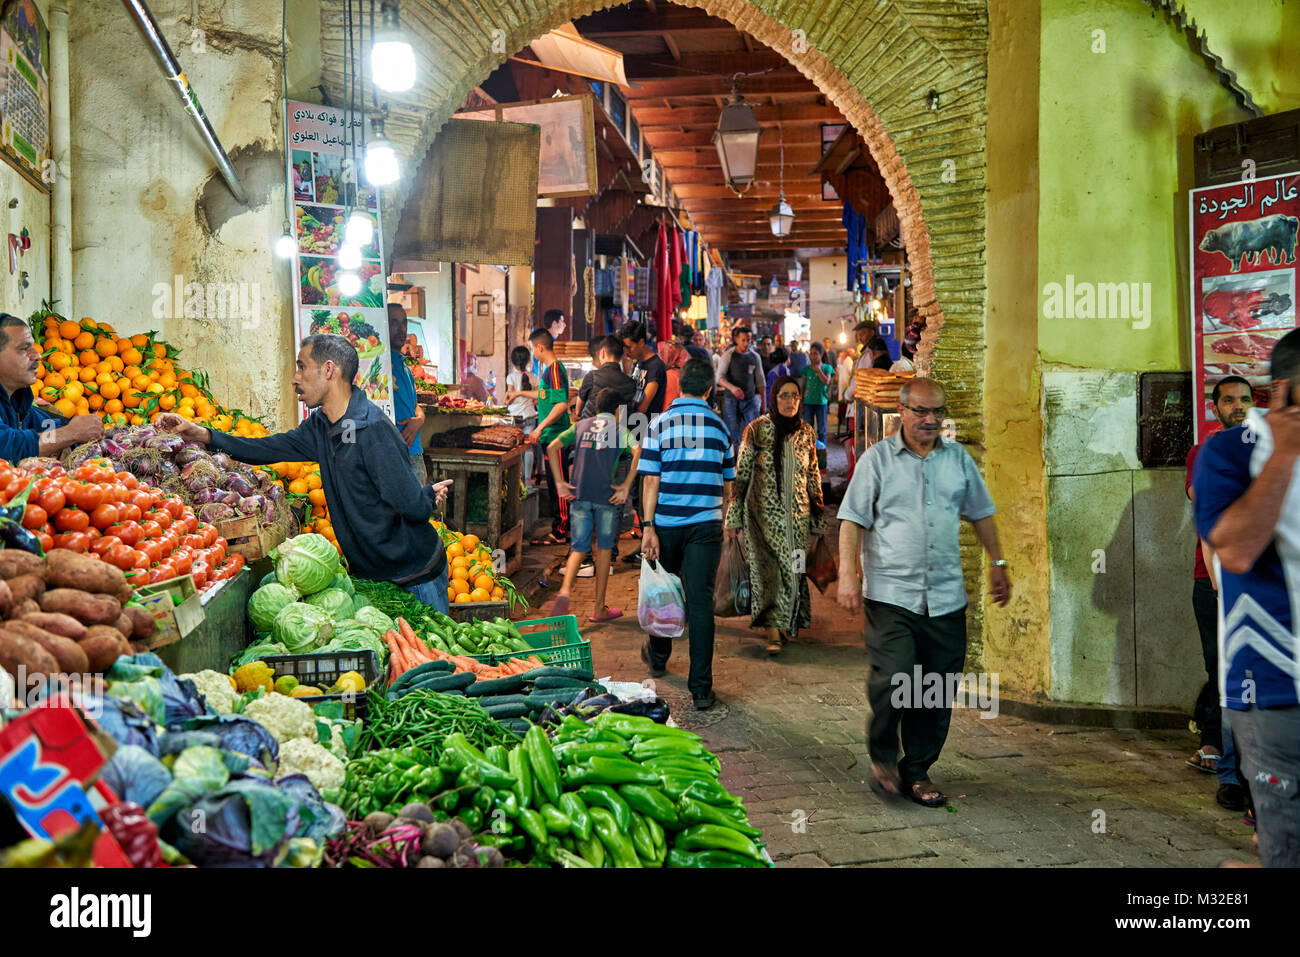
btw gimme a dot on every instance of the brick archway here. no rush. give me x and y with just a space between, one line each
877 63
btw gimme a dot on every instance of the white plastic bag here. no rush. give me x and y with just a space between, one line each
661 604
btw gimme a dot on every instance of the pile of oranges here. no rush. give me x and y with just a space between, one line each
86 368
303 479
470 575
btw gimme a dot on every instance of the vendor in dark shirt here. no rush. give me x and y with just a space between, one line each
27 430
380 513
608 374
649 373
879 350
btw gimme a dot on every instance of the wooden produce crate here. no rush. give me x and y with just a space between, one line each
247 536
175 620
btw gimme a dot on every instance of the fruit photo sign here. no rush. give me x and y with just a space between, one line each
1243 247
323 181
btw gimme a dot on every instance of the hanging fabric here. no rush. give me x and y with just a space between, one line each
713 294
664 282
856 227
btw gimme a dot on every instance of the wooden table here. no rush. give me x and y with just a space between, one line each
503 528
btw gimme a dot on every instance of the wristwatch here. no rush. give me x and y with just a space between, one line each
1000 563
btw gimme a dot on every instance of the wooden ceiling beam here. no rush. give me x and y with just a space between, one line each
717 66
806 137
796 115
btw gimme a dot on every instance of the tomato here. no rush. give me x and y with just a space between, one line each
16 485
192 541
175 506
191 521
159 515
151 549
155 574
129 532
150 528
200 572
94 533
47 541
94 471
84 495
104 544
122 556
104 516
183 560
210 535
52 499
167 569
170 540
129 512
129 480
217 551
73 541
71 520
34 517
141 499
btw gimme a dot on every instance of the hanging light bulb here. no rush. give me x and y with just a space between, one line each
392 61
286 245
381 158
349 256
781 216
360 229
774 290
349 284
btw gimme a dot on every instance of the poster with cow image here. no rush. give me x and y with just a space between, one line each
1243 242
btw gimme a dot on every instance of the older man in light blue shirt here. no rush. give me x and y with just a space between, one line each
905 504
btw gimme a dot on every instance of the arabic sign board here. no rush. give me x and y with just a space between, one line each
322 173
1243 244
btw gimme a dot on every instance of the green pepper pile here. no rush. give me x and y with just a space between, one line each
423 719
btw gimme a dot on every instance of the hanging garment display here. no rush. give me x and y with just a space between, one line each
856 227
713 294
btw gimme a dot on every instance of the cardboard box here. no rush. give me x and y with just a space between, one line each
247 536
175 621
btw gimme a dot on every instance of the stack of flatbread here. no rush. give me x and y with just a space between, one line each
878 386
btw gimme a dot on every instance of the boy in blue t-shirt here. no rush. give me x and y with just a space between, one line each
596 503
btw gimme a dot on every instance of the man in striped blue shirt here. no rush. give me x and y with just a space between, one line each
688 467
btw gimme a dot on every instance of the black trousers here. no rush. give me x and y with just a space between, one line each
898 640
1208 713
692 553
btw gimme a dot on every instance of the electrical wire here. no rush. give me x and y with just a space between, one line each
284 86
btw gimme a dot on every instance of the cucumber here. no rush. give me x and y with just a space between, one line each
552 671
494 700
500 711
517 725
547 682
443 682
407 678
506 685
545 699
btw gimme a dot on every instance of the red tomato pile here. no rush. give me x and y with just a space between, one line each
150 535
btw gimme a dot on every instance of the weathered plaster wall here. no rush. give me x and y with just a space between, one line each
828 299
1015 637
148 204
33 213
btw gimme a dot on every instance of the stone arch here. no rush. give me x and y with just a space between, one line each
877 61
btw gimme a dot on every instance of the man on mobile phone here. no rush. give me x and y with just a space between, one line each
1246 487
379 511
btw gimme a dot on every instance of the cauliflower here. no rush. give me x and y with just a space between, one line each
300 756
216 690
337 747
286 718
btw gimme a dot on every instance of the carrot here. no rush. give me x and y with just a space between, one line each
406 630
397 654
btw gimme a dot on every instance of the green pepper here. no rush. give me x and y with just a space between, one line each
697 812
517 760
447 801
388 785
568 859
484 799
440 815
577 751
573 724
497 755
542 761
711 792
602 770
572 806
556 821
493 776
450 762
592 850
506 843
649 801
470 777
669 747
602 795
657 836
507 803
712 837
630 725
430 781
681 764
534 826
641 839
472 817
715 858
616 841
599 736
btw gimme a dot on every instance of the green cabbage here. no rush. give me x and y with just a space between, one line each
334 602
308 562
301 627
258 650
343 583
373 618
265 603
360 601
354 636
267 579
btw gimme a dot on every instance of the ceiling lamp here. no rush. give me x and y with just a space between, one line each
392 61
349 284
774 290
781 216
286 245
736 140
360 229
381 158
349 256
795 272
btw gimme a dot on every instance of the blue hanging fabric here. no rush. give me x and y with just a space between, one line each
856 228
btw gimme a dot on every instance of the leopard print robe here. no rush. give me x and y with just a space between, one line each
777 521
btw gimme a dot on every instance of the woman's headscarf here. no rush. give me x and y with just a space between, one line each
786 425
673 355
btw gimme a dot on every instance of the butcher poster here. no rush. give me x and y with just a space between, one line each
1243 282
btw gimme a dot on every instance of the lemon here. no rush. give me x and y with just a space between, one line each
285 684
352 681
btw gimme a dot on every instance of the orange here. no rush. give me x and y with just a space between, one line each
166 401
88 322
82 340
102 327
69 330
86 373
318 511
159 350
123 384
297 486
451 594
168 380
74 390
460 574
460 586
460 561
131 399
140 382
113 406
469 543
155 388
455 551
484 583
109 390
67 408
189 391
82 407
315 495
137 420
55 380
462 599
95 402
185 413
498 594
103 366
115 363
313 480
479 594
49 395
205 408
132 356
66 347
105 346
139 340
58 362
89 358
131 371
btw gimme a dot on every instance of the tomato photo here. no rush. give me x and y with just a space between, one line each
151 549
34 517
103 544
73 541
47 541
122 556
150 528
217 552
104 516
191 521
142 500
52 499
175 507
71 520
129 512
159 515
129 532
84 495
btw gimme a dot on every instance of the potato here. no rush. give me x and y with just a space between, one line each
24 587
64 625
103 645
71 658
15 562
124 624
87 609
143 624
68 569
18 652
6 597
19 608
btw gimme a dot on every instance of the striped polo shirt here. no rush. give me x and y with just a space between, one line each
689 448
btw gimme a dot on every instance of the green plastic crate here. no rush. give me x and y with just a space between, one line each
557 637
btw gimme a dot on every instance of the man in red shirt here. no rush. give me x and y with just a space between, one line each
1232 396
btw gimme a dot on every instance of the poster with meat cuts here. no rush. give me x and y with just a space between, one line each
1243 282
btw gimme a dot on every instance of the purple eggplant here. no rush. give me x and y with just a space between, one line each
216 512
240 485
251 505
222 461
189 455
208 496
276 493
168 467
170 444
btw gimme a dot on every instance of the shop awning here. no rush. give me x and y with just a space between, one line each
564 49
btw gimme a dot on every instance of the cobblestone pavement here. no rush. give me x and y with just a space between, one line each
790 733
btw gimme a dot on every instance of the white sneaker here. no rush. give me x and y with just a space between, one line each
587 570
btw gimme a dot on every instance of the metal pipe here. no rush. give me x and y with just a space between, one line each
143 19
61 153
